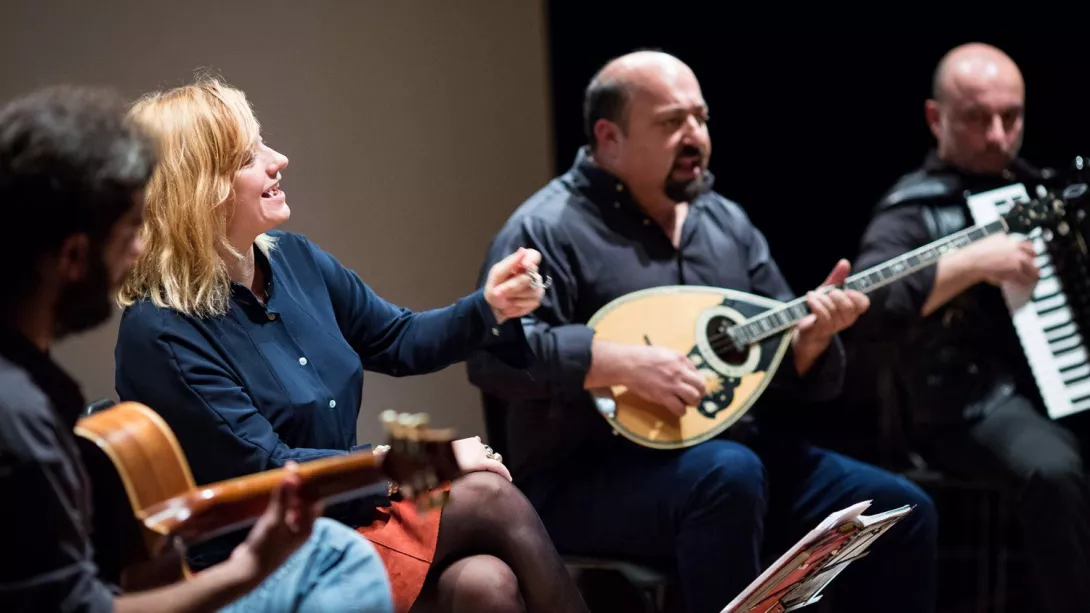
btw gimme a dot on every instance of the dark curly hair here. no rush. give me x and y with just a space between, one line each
71 163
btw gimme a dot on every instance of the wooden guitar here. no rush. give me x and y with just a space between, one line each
737 340
147 504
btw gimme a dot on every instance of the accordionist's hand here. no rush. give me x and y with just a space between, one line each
1005 259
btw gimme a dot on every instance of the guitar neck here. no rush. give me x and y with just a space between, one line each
783 317
221 507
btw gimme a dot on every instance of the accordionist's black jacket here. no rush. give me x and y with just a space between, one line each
955 364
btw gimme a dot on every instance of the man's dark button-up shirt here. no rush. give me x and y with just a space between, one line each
46 559
597 245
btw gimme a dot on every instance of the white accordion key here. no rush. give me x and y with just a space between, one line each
1054 347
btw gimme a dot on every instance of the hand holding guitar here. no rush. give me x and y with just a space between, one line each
514 288
283 527
830 312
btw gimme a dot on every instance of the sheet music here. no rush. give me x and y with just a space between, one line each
809 590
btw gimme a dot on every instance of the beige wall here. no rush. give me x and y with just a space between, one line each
413 129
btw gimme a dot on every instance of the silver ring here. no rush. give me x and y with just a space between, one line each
537 282
492 455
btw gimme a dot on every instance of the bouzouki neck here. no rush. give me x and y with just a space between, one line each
786 316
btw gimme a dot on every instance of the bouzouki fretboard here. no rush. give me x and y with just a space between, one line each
782 318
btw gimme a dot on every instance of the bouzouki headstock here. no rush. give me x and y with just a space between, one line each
420 458
1044 211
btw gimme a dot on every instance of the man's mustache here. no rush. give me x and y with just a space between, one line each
688 152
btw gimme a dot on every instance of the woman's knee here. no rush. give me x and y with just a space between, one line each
480 583
489 493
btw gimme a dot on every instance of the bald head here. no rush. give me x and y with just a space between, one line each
622 78
646 122
976 108
974 66
642 67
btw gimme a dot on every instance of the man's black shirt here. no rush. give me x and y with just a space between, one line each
46 561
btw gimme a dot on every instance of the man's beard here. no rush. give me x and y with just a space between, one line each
686 191
86 303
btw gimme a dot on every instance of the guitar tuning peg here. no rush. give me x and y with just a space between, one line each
414 422
390 421
388 417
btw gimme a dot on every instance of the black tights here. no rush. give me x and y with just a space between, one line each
494 555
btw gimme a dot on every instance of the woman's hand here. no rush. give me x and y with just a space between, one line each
514 288
472 455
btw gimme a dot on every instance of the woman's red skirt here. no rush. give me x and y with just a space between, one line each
406 541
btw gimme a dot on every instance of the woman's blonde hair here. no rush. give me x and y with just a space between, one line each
206 133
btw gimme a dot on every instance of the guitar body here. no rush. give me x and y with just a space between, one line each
147 508
135 462
687 318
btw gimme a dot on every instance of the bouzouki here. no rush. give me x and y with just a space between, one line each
147 505
737 340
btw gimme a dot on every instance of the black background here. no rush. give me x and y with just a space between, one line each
811 123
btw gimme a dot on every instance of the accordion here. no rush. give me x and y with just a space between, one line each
1053 321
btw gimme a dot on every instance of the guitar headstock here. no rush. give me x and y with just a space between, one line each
420 458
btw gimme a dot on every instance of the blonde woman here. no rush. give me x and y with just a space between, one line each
252 343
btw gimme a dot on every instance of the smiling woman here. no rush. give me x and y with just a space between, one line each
257 201
213 136
252 342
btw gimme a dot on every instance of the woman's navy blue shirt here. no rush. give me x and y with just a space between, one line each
267 383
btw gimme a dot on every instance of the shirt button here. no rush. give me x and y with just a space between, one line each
620 187
616 205
332 404
647 222
272 316
495 331
302 361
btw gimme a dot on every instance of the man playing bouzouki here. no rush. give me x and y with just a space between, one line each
72 179
637 211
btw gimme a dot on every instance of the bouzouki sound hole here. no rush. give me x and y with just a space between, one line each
721 344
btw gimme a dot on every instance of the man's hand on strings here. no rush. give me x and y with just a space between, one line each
831 310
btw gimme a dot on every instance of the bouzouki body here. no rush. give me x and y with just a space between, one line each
738 340
688 319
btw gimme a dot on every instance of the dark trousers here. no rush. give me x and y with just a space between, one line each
719 509
1042 463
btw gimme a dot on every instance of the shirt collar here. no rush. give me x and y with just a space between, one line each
603 188
1019 170
245 297
62 390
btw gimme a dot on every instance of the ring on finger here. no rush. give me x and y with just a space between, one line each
536 280
492 455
